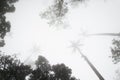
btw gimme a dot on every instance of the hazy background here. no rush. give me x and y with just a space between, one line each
31 36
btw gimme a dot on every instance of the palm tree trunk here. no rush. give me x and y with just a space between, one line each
91 65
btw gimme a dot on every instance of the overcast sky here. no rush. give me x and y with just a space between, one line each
31 36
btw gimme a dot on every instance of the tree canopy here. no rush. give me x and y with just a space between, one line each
6 6
45 71
42 63
57 11
116 50
11 68
62 72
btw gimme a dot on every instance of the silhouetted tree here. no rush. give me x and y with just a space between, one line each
42 63
73 78
55 72
38 74
12 69
6 6
62 72
42 69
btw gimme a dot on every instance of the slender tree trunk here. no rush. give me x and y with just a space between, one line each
91 65
105 34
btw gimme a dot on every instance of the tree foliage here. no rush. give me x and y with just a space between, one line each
12 69
73 78
57 11
6 6
62 72
55 72
116 51
42 69
42 63
38 74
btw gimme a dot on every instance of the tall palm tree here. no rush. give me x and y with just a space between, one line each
75 46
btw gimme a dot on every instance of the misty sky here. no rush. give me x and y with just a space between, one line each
31 36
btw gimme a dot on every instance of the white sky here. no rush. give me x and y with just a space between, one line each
30 33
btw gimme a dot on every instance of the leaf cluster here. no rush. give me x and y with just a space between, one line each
56 13
45 71
6 6
116 51
12 69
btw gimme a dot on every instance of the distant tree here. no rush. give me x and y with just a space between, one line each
12 69
57 11
42 69
6 6
42 63
62 72
55 72
73 78
116 50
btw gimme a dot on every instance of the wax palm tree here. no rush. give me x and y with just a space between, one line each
75 46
